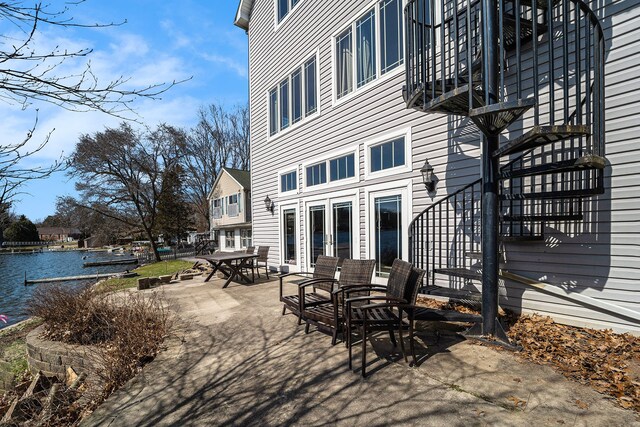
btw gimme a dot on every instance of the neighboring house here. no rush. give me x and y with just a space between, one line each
230 210
351 105
58 234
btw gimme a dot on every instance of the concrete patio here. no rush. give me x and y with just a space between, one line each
235 360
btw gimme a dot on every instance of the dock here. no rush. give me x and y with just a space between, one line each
69 278
111 262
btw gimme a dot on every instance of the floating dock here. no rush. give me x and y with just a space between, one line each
70 278
111 262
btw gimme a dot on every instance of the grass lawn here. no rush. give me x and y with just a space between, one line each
151 270
13 348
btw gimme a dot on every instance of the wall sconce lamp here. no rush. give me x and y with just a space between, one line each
268 203
427 176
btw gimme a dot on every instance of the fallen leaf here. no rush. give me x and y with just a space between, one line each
581 404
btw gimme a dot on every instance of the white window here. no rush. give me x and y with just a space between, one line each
288 181
229 239
284 7
342 167
387 216
216 211
369 48
295 98
388 154
245 238
317 174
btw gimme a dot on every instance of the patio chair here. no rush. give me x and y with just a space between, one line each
325 268
329 316
249 264
263 257
367 313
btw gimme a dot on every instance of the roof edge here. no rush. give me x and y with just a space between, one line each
243 14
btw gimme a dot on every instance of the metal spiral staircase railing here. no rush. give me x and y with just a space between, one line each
542 103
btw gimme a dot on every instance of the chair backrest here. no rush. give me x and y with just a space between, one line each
251 249
263 253
356 271
398 278
325 267
413 285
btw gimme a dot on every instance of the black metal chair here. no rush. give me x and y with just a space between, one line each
263 257
366 314
325 268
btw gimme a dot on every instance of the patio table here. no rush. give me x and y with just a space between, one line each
230 264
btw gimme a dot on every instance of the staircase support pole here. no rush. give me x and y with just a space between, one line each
490 169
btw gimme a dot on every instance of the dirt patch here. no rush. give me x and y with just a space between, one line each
606 361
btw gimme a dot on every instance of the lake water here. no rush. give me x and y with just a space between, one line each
14 296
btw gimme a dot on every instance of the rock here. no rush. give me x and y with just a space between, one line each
166 278
186 276
143 283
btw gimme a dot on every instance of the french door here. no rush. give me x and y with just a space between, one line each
332 228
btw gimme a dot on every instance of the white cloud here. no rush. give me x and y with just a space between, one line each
227 62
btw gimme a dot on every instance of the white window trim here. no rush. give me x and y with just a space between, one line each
402 187
284 19
276 85
284 172
380 78
281 209
381 139
353 149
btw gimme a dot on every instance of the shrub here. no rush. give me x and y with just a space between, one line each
125 329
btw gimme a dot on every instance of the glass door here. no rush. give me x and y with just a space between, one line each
342 230
289 229
331 229
317 224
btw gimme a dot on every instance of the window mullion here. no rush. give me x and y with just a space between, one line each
303 88
354 57
376 46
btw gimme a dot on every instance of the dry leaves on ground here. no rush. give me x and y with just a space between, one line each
606 361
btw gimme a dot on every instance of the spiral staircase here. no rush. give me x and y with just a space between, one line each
528 74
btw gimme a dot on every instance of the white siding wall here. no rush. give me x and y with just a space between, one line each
599 258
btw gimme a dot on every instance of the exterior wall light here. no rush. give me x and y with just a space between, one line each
268 203
427 176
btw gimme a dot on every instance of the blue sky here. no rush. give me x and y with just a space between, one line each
161 42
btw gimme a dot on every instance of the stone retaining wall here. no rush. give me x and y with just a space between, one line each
53 358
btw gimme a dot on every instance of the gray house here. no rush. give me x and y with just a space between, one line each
387 128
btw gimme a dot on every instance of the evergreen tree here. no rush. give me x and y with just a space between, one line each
22 230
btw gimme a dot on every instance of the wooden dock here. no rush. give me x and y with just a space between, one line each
111 262
70 278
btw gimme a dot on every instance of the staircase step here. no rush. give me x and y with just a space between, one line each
526 31
541 217
459 295
521 239
460 272
493 119
541 135
566 194
476 254
589 161
542 4
455 102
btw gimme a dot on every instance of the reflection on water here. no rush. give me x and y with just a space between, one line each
14 295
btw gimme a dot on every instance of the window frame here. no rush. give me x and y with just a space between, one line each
226 239
381 139
353 149
286 172
401 187
287 206
246 241
306 117
280 22
379 76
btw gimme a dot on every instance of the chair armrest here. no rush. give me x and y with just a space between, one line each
376 288
312 282
376 298
300 273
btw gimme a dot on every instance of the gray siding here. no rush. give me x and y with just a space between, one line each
598 257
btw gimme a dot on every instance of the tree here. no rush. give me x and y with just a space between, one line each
174 213
120 174
22 230
220 139
29 75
